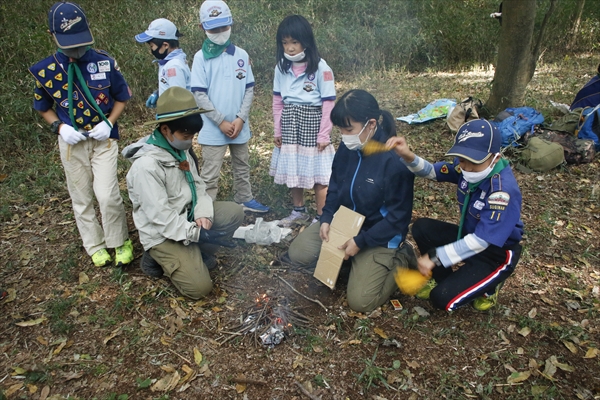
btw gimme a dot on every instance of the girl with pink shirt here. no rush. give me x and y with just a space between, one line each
303 97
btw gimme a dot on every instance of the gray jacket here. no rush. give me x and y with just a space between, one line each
161 195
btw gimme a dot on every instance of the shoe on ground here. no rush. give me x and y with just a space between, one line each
101 258
210 261
255 206
424 293
124 254
294 217
486 301
149 266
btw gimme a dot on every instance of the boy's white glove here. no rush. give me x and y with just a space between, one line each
70 135
101 131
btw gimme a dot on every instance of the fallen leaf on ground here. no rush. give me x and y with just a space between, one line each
591 352
532 313
166 383
517 377
32 322
13 389
572 348
380 332
525 331
83 278
564 367
112 335
197 356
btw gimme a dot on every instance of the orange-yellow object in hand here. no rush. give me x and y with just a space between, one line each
410 281
374 147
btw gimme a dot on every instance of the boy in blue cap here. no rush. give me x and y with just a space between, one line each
222 81
81 93
162 37
487 238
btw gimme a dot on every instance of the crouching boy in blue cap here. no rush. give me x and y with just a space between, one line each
81 93
180 226
487 238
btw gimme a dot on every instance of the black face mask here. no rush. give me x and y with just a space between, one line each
158 55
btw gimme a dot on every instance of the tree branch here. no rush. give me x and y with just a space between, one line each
538 43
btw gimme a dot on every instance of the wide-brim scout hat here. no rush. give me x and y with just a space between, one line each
69 26
160 28
175 103
476 141
215 14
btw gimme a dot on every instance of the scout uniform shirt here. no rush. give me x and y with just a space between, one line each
104 81
308 90
225 79
173 71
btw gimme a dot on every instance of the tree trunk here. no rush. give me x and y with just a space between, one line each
514 55
576 23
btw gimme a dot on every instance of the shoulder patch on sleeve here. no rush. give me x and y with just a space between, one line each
171 72
457 169
444 169
327 76
499 199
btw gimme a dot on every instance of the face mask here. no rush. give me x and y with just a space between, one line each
159 56
297 58
476 177
219 38
353 142
180 144
76 52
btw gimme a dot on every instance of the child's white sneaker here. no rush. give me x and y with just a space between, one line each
294 217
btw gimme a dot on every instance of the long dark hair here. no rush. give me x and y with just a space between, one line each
360 106
297 27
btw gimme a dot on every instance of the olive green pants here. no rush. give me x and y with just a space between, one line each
183 264
371 281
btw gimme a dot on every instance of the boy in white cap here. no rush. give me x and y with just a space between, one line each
81 93
180 226
487 239
222 81
162 37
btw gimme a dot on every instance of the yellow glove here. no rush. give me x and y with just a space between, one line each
410 281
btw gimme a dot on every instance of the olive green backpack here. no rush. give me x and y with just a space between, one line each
542 155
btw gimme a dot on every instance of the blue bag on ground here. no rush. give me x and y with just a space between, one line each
589 127
519 121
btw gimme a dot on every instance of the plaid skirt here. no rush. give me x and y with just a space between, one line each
298 163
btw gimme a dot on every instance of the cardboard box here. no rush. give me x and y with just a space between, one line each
345 225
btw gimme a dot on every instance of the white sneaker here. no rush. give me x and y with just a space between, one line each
294 217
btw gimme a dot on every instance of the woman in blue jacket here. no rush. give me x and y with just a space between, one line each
380 187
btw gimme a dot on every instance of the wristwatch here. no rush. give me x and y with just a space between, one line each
55 126
435 260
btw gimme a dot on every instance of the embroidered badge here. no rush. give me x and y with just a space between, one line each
79 121
65 86
52 67
463 184
49 84
163 80
42 73
327 76
59 77
80 105
444 169
117 66
38 84
65 103
478 205
67 24
184 166
92 68
240 63
98 77
457 169
95 119
214 13
240 75
501 208
57 94
482 196
466 134
171 72
499 199
308 88
75 95
311 77
37 96
86 112
88 127
104 66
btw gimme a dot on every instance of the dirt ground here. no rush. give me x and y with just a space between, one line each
70 330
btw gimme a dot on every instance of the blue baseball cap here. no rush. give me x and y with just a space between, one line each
69 26
215 14
160 28
476 141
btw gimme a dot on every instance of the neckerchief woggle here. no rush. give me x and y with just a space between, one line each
159 140
500 165
74 70
212 50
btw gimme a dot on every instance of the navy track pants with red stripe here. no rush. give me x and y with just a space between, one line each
479 275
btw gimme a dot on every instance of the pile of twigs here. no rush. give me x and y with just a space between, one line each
257 319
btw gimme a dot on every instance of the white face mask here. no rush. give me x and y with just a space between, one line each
476 177
219 38
297 58
353 142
